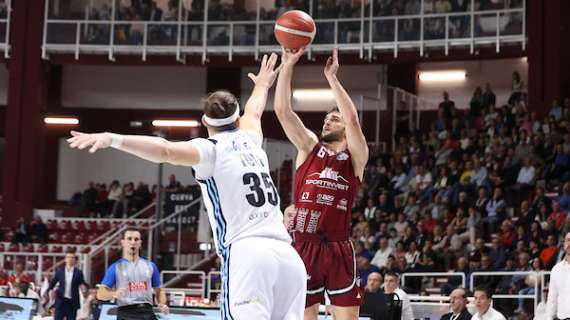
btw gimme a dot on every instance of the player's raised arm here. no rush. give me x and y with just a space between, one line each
251 119
355 138
294 128
154 149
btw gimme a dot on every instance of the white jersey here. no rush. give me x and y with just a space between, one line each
237 188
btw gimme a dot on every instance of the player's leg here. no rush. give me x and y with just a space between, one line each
345 313
291 286
344 288
313 256
312 312
249 272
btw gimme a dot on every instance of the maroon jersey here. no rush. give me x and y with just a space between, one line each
325 188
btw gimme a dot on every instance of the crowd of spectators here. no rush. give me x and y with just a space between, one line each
485 189
120 201
128 12
24 232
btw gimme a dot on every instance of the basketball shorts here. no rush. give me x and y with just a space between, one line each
331 267
262 279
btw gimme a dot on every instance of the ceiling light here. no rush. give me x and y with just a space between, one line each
313 94
440 76
176 123
61 120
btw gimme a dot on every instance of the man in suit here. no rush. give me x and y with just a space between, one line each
458 303
68 279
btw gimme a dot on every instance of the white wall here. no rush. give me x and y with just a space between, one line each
133 87
357 80
77 168
497 72
182 87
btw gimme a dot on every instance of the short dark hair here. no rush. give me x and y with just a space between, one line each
221 104
333 109
486 290
392 274
130 229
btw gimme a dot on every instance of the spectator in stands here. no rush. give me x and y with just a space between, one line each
517 88
365 269
38 230
558 216
475 106
564 198
88 204
381 257
22 232
556 110
548 254
448 107
374 282
113 198
18 276
483 299
173 184
370 210
495 209
392 285
458 305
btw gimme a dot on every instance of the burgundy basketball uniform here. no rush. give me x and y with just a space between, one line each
325 188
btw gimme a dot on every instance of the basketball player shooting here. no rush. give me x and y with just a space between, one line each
329 172
263 277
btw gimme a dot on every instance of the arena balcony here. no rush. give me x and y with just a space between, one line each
363 30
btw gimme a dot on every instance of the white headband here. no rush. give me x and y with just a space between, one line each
215 122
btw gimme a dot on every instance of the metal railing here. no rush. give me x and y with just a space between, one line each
212 290
196 288
107 238
435 275
38 259
533 296
5 26
406 102
367 33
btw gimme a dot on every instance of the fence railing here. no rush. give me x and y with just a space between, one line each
434 275
34 261
364 34
533 296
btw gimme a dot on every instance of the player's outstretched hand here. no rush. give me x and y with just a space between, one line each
95 141
267 71
290 57
331 68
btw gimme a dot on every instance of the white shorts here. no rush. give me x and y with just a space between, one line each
262 279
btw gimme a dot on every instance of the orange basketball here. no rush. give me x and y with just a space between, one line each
295 29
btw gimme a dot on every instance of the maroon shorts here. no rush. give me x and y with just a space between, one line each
331 267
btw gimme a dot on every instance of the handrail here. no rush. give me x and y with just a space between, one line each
181 47
433 274
109 234
533 296
210 290
7 46
40 255
201 274
194 266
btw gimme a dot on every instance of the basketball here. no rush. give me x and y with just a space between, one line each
295 29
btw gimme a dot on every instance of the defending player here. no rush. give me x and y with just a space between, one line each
263 278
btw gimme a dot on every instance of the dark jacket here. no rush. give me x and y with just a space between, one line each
465 315
75 282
